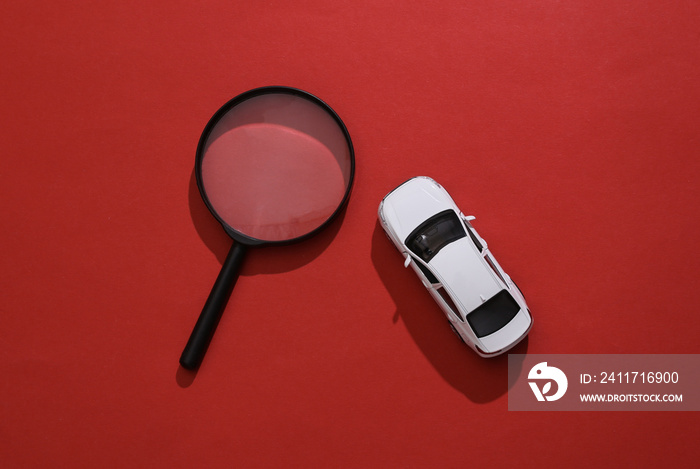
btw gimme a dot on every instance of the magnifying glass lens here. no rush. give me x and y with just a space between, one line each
272 182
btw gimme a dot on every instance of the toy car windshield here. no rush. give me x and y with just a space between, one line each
494 314
435 233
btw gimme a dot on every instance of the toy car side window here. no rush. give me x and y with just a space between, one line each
473 237
492 264
450 304
428 274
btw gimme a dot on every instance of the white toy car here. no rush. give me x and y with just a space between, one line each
483 305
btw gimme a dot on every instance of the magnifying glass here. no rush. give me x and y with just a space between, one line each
274 166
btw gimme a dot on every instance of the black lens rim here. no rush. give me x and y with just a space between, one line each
223 110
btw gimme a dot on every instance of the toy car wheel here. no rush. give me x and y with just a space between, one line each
456 333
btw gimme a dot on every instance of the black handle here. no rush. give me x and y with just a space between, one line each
203 331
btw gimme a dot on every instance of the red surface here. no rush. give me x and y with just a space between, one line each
570 129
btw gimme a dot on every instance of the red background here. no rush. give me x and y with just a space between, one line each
570 129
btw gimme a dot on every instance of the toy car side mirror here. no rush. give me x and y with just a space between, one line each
407 262
467 218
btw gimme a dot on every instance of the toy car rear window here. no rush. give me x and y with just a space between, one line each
434 234
493 314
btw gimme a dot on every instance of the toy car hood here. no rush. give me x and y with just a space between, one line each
412 203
